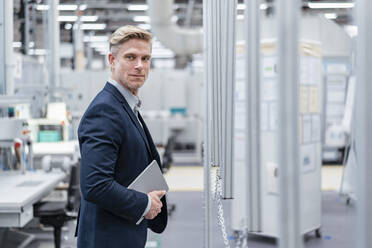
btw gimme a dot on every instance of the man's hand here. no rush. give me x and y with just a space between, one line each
156 204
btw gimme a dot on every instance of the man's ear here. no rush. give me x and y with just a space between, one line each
111 58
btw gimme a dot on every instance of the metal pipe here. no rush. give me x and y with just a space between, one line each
2 49
78 33
182 41
288 145
252 54
364 123
27 27
53 30
206 146
8 47
189 10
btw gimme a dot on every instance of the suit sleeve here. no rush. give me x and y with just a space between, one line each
100 138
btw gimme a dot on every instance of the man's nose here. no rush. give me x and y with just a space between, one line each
139 64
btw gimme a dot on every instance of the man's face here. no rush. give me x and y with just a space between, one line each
130 66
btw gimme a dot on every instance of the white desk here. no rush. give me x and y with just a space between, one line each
19 192
55 148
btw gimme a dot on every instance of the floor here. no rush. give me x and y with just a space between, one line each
186 224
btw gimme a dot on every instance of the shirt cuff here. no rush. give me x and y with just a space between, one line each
146 210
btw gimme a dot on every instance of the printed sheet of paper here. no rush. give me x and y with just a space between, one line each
269 90
239 146
240 112
304 99
264 116
314 100
273 115
306 129
315 128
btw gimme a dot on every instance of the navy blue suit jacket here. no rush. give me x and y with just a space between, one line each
115 149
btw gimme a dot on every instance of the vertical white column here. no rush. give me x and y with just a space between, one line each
27 27
8 47
53 31
219 58
289 169
2 49
252 65
229 83
206 144
79 58
364 123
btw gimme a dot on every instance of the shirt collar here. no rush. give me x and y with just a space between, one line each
132 100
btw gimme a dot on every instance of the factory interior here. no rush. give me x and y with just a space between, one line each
260 111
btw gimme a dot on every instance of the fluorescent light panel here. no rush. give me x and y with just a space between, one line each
72 18
17 44
330 15
67 18
330 5
100 45
83 7
63 7
67 7
93 26
38 51
42 7
141 18
138 7
89 18
68 26
241 6
96 38
144 26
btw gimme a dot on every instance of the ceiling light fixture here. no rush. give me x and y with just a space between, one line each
88 18
330 5
138 7
67 7
96 38
83 7
93 26
42 7
141 19
17 44
68 26
144 26
63 7
241 6
70 18
330 15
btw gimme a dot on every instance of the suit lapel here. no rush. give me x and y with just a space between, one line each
138 125
154 152
130 112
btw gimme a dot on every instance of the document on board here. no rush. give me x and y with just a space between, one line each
150 179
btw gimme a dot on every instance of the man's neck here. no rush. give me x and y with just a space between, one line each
134 92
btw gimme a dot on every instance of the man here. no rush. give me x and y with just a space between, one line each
116 147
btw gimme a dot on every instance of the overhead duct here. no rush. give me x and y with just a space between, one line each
182 41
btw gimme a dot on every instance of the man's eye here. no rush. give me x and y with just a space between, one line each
146 58
129 57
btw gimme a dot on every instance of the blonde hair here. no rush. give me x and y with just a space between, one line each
126 33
